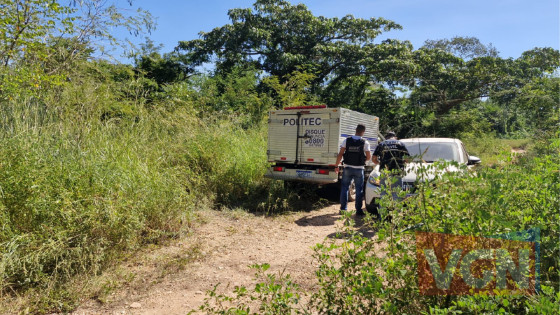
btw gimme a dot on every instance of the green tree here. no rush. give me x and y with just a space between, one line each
280 38
23 26
41 40
463 47
166 68
444 80
292 90
527 96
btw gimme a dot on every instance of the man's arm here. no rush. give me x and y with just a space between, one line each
367 150
339 158
376 153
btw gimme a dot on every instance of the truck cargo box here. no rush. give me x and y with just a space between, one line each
303 142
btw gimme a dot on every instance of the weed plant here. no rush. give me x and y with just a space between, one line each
378 275
77 194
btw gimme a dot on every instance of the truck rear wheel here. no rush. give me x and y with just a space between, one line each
352 191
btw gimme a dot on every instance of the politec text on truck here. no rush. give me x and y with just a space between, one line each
303 142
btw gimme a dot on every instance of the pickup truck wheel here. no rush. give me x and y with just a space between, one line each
352 192
373 207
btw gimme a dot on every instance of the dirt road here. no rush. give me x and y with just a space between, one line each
219 250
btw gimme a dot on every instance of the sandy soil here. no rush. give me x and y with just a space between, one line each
219 250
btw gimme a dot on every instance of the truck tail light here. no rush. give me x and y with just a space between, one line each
323 172
278 169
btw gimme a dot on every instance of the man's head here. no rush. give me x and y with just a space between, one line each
360 130
390 135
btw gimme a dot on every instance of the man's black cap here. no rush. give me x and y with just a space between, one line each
390 134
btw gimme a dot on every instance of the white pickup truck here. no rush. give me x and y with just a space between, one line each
424 151
303 142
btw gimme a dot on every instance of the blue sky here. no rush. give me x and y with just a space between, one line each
512 26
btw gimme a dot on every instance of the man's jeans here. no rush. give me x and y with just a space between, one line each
358 176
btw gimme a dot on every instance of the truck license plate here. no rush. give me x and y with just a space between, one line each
303 174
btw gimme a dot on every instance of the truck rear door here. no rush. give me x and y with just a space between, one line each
314 136
298 136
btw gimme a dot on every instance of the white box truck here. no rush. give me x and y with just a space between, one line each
303 142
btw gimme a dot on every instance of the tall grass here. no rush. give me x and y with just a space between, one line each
75 192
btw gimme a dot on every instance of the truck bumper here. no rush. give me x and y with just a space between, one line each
300 175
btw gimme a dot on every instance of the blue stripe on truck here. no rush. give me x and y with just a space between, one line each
346 136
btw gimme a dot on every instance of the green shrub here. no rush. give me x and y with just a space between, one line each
77 192
277 294
71 198
372 275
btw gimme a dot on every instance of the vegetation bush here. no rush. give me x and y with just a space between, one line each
77 194
98 158
371 275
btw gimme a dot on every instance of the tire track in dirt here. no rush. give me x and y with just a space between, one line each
227 242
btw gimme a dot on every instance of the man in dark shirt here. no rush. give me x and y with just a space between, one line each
390 154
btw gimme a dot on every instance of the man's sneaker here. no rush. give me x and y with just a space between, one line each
360 212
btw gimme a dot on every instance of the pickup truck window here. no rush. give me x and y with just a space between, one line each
433 151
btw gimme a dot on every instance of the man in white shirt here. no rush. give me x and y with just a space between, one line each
354 152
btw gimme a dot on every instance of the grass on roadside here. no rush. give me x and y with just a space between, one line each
75 196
